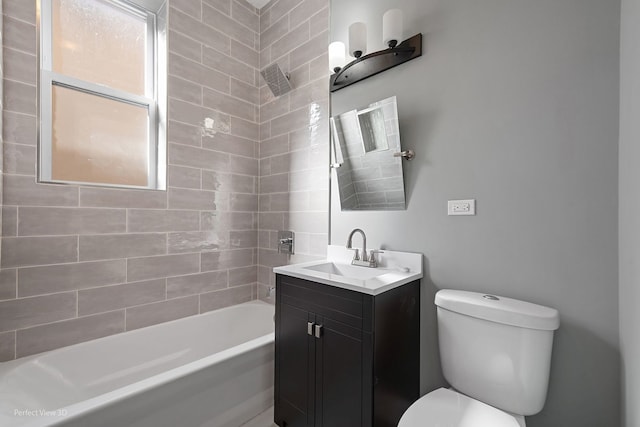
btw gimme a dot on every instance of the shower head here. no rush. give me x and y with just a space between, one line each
277 80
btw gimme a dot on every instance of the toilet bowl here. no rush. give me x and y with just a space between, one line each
448 408
496 354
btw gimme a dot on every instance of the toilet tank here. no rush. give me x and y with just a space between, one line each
495 349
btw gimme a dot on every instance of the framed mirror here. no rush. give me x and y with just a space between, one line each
363 143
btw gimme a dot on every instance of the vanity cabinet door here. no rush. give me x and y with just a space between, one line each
339 375
295 359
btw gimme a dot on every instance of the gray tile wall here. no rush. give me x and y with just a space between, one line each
294 143
80 263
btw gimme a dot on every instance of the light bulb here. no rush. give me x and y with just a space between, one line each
337 56
357 39
392 27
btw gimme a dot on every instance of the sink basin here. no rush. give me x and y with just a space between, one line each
395 269
346 270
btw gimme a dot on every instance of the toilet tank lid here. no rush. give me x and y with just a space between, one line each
499 309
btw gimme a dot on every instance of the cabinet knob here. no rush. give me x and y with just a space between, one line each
318 331
310 328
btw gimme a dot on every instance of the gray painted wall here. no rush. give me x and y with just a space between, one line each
629 227
514 104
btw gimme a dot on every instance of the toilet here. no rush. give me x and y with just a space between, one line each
496 354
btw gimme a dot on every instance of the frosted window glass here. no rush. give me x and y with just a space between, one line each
101 43
98 140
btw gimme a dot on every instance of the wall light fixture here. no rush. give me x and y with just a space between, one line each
366 65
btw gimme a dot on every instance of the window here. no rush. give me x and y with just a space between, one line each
102 93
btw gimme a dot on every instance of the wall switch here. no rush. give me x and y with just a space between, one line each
461 207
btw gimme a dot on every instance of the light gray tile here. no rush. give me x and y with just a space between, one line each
35 221
319 67
307 9
19 159
280 202
245 54
110 298
239 239
144 221
245 91
243 276
294 120
19 128
190 7
227 182
245 16
116 198
9 221
196 283
185 46
244 128
25 312
320 21
273 107
315 91
228 104
212 261
227 66
8 281
309 50
205 34
24 251
197 73
222 5
20 9
152 314
291 40
279 28
274 184
112 246
19 97
185 90
196 241
184 177
198 199
274 146
19 35
231 144
24 191
162 266
67 277
228 26
184 155
199 116
244 202
7 346
271 220
244 165
226 297
61 334
184 134
19 66
214 221
309 222
300 76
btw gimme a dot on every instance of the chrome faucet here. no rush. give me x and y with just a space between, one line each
366 260
356 255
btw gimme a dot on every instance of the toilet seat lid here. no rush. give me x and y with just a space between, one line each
448 408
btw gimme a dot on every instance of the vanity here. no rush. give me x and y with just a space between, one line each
347 340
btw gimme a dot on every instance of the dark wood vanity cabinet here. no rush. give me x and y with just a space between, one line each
345 358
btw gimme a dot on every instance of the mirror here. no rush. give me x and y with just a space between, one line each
363 143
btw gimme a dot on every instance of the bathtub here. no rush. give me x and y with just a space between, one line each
213 370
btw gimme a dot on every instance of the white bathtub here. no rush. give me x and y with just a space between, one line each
213 370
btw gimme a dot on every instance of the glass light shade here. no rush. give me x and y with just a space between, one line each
357 39
392 27
337 56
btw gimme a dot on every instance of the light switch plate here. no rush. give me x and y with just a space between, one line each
461 207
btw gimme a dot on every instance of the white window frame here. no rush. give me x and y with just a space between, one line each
154 99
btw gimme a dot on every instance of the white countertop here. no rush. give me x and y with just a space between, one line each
395 269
